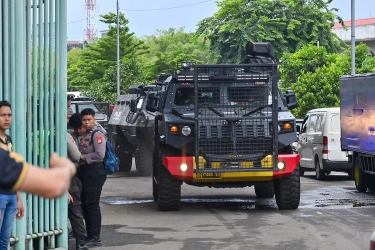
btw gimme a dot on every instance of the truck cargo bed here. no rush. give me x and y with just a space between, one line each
358 113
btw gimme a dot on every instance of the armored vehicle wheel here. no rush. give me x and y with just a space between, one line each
288 190
143 159
168 189
264 190
371 186
360 178
125 158
155 166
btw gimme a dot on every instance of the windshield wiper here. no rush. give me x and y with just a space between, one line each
176 112
257 110
216 111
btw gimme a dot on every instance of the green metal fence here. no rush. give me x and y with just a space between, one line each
33 77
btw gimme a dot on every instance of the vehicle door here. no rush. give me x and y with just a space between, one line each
333 139
309 141
317 134
301 146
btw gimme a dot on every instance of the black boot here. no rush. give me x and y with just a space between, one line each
94 241
71 235
81 245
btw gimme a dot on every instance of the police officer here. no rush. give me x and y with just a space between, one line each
92 174
17 175
74 208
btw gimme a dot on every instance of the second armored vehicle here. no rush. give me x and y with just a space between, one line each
133 128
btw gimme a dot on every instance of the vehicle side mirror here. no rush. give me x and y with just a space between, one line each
291 99
152 102
133 105
298 128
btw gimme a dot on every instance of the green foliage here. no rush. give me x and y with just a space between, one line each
97 58
169 47
308 59
314 75
105 89
287 24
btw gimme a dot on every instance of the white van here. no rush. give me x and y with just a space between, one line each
319 143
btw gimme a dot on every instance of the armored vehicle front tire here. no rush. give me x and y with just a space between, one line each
155 167
288 190
143 158
168 189
125 157
264 190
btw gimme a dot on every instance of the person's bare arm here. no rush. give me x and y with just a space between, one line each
49 183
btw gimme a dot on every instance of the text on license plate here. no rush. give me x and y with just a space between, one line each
208 175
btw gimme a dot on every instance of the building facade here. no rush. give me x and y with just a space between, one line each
364 31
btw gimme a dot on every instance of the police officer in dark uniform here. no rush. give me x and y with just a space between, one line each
74 208
92 174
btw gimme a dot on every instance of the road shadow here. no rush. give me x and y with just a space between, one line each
335 176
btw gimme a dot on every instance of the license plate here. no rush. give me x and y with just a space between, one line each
208 175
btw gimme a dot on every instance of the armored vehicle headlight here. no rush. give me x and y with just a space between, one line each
186 130
183 167
279 128
281 165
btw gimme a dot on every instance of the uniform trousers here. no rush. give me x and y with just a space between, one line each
75 211
92 177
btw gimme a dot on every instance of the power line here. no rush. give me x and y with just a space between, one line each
175 7
147 10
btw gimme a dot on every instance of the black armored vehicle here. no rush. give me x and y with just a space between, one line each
132 128
226 126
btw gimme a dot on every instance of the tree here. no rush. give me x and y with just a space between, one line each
105 89
307 59
96 58
169 47
314 75
287 24
74 81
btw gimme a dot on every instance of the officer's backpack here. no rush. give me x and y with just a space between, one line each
111 161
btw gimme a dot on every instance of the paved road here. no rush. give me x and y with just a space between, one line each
332 215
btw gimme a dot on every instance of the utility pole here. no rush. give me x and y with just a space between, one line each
118 50
353 35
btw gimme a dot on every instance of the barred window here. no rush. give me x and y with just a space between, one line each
248 94
185 96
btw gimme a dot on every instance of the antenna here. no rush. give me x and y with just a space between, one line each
91 30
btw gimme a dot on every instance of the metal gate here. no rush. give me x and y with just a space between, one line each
33 78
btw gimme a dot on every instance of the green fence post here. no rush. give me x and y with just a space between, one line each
19 73
32 74
6 49
52 101
61 91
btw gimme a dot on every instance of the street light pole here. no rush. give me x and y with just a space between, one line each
353 35
118 50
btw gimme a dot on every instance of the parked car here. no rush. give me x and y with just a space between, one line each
298 128
319 143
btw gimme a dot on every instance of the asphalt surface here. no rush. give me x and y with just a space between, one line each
331 215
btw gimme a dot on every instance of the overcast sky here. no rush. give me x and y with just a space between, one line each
146 16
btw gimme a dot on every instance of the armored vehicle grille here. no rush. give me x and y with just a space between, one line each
235 118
